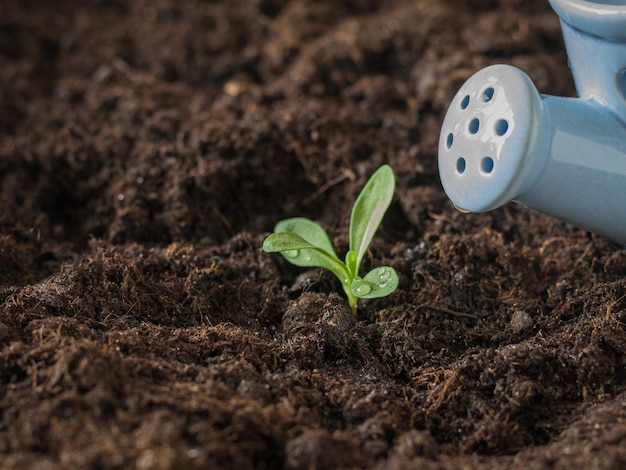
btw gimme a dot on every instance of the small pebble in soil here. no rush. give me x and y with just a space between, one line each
520 321
336 312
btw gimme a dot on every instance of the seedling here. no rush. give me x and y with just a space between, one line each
306 244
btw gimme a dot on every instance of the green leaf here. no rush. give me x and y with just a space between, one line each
351 263
302 253
285 242
369 209
379 282
309 230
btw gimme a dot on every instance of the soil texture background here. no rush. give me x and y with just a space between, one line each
147 147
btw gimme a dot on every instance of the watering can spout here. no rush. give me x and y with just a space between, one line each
502 141
595 39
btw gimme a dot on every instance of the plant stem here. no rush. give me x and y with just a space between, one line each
352 299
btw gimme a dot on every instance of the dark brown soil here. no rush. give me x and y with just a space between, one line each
148 147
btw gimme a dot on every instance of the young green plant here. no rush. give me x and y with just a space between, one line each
306 244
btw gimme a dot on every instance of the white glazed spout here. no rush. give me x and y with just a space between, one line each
595 39
502 141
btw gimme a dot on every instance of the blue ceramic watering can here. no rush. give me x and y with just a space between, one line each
502 141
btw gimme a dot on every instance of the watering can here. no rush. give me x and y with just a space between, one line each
501 140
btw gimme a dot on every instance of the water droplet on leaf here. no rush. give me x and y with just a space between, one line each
292 253
384 274
363 289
